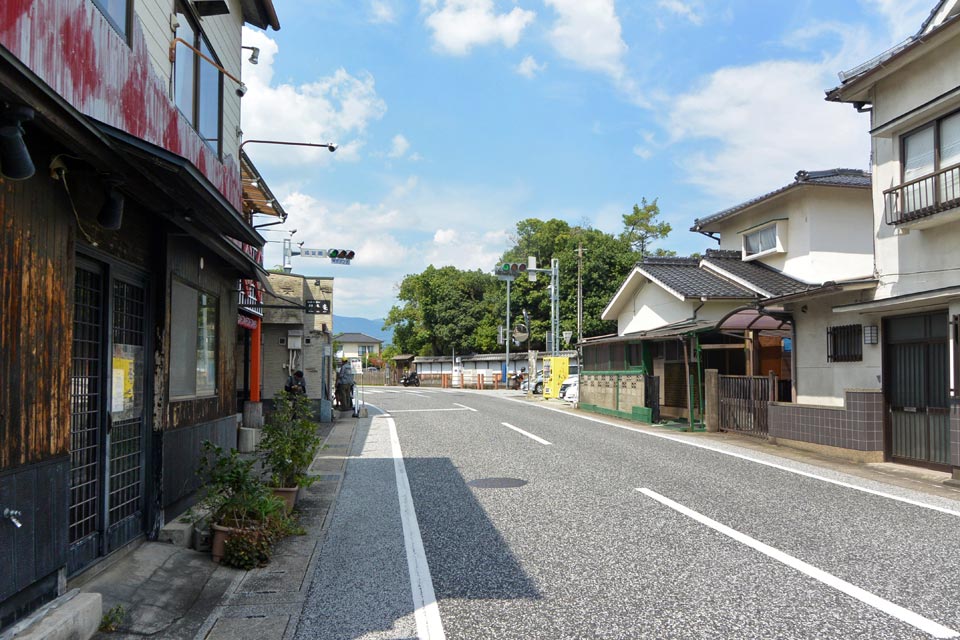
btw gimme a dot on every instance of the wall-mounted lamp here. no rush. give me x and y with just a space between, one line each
871 334
110 216
241 88
328 145
15 161
254 54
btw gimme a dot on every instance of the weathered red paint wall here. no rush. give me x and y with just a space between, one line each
74 50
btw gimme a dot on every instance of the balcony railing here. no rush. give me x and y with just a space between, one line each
923 197
251 297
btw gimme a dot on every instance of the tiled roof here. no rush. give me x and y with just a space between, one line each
353 338
830 178
684 277
764 279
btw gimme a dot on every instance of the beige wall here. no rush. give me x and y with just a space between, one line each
654 307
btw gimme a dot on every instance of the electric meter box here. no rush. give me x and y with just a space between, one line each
295 339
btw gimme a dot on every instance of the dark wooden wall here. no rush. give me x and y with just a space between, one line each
36 324
183 257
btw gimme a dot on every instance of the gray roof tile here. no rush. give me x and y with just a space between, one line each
685 277
758 275
829 177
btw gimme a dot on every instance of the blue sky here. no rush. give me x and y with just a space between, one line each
457 118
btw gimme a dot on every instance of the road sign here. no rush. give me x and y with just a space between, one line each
313 253
567 335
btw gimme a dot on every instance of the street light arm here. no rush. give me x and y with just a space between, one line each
173 58
330 146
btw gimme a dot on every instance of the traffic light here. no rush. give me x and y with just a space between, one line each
511 269
341 256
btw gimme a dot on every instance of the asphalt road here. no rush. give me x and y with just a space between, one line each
521 522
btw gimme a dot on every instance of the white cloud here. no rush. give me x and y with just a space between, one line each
445 236
529 67
588 33
687 10
382 12
459 25
399 146
335 108
751 128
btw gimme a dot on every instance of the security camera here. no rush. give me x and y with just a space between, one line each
241 90
332 148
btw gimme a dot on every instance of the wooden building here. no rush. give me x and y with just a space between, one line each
123 237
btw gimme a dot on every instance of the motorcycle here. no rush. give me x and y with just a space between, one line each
411 378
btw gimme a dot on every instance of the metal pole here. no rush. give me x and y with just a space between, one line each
507 341
555 305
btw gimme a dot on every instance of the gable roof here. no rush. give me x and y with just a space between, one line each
855 178
760 278
356 338
684 278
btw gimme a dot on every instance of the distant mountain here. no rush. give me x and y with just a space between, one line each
372 328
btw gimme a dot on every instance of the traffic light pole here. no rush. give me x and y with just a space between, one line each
507 341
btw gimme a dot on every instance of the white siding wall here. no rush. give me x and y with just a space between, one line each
224 34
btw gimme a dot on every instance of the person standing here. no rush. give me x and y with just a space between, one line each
345 386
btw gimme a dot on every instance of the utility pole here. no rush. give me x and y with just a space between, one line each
554 305
579 294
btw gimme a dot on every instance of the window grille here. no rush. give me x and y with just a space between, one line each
845 343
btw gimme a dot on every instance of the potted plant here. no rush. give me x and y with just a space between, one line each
288 444
239 503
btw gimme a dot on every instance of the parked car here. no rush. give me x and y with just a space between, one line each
570 382
537 384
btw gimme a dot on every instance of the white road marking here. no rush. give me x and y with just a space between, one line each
529 435
465 407
883 605
774 465
426 611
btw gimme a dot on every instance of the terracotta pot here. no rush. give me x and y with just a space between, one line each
288 495
219 537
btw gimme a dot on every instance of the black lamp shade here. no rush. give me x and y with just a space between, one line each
111 213
15 162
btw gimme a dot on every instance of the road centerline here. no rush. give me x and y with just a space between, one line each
529 435
883 605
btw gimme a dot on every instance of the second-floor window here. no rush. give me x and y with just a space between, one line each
764 240
930 150
198 85
117 13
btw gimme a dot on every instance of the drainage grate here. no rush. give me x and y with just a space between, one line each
497 483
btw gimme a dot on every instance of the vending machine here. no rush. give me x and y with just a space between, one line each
555 371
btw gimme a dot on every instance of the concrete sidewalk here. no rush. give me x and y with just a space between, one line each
169 591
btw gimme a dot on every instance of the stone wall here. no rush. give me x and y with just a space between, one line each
614 393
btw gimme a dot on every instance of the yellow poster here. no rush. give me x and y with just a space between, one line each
123 371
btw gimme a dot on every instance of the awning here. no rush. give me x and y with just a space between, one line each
184 186
751 319
922 299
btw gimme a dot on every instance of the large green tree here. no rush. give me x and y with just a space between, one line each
443 310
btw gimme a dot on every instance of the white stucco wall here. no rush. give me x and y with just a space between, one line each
829 232
654 307
921 259
821 382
